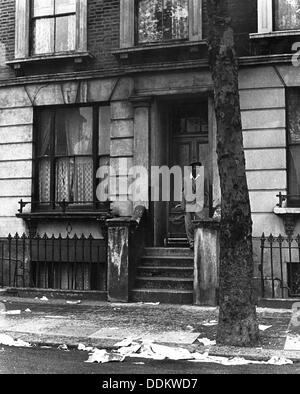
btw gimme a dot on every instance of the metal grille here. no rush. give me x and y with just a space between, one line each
70 263
280 266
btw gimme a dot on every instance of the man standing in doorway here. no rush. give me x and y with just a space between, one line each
195 198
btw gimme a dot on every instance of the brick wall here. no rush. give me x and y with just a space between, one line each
103 34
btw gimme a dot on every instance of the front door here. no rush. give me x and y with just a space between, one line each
188 143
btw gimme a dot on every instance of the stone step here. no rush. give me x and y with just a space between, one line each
162 282
164 296
169 252
169 261
165 271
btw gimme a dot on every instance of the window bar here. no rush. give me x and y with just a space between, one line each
52 278
263 240
60 259
2 264
98 267
31 279
91 256
15 283
271 240
23 258
38 266
290 240
46 277
280 241
83 255
68 261
75 259
9 259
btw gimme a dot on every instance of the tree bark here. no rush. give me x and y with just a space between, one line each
237 319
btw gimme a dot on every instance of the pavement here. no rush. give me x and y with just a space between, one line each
56 322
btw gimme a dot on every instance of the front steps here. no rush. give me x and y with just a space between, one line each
165 275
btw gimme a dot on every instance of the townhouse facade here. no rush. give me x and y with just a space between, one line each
86 84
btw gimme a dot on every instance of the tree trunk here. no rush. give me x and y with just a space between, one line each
237 319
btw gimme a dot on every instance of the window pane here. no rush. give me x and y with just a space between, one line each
74 179
44 133
175 19
162 20
65 6
44 180
104 131
83 182
150 21
43 36
65 33
43 7
74 131
287 14
294 170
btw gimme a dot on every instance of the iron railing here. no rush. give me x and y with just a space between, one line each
280 266
63 205
56 262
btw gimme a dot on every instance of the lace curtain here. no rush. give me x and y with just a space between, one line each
73 155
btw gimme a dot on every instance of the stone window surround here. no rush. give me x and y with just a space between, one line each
22 36
127 24
265 22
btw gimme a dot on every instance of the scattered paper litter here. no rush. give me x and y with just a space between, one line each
207 342
44 299
149 350
84 348
102 356
279 361
6 340
16 312
124 343
149 303
190 328
27 310
74 302
227 361
210 323
263 327
63 347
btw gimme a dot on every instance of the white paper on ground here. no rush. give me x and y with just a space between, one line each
206 342
6 340
102 356
126 342
263 327
149 303
73 302
27 310
44 299
63 347
17 312
210 323
205 358
84 348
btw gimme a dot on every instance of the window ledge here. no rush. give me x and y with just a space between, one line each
124 52
76 56
79 215
286 211
274 34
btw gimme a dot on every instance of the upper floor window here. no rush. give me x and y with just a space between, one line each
50 27
53 26
156 21
162 20
278 15
287 14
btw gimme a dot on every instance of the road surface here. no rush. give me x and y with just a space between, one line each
53 361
